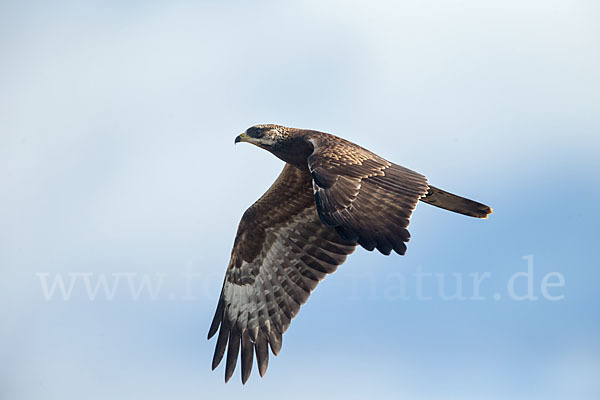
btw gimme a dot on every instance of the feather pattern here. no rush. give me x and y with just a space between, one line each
365 197
262 293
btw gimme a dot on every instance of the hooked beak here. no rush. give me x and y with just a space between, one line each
241 138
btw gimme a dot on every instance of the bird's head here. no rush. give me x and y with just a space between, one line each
286 143
265 136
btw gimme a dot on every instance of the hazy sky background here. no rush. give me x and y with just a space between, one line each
117 122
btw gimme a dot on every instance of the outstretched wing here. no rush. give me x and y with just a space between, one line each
281 252
365 197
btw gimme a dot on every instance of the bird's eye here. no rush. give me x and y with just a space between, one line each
256 133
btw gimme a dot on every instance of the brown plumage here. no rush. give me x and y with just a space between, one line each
331 196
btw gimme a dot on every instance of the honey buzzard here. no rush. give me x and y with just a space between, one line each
331 196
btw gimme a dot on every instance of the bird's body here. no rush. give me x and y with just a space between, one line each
331 196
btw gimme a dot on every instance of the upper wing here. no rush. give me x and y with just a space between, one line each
281 251
366 198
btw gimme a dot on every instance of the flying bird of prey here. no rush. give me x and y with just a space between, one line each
331 196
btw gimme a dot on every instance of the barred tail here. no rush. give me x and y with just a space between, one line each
448 201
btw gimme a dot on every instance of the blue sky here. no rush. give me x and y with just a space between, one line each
116 145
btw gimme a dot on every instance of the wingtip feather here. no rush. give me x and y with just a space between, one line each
247 356
262 354
232 354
